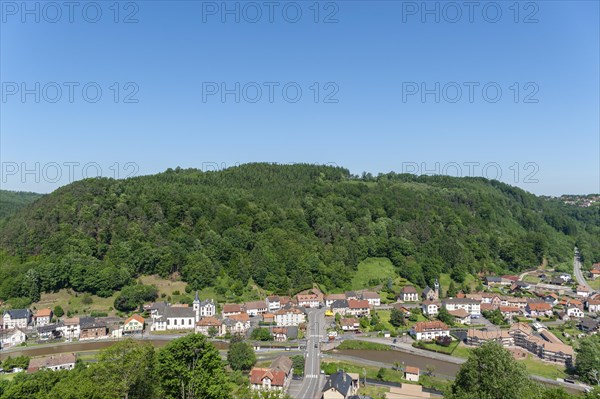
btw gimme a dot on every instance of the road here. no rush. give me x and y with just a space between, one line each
578 273
313 381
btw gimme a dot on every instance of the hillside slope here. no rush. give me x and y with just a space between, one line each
282 226
12 201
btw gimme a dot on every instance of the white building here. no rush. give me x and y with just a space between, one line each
574 312
273 303
16 318
472 306
408 293
372 297
69 328
175 318
289 317
206 308
12 337
255 308
308 300
429 330
430 308
64 361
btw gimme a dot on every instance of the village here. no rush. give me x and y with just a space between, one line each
542 319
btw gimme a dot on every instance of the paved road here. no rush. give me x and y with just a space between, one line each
578 273
313 381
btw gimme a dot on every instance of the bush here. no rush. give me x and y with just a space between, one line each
133 296
98 314
443 341
58 311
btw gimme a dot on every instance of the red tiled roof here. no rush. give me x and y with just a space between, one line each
423 326
209 322
408 289
412 370
257 375
136 317
243 317
232 308
44 313
358 304
539 306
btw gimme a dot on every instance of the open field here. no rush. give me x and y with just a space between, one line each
74 302
537 367
371 271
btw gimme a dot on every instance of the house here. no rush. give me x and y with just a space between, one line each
16 318
408 293
175 318
206 308
350 324
479 337
49 331
341 385
573 311
508 312
42 317
289 317
429 294
90 328
69 328
430 308
351 295
134 324
372 297
209 325
520 303
358 307
589 325
230 309
12 337
461 316
552 299
308 300
404 310
267 317
277 377
565 277
538 309
472 306
280 334
339 306
593 305
594 273
273 303
495 281
582 291
557 281
237 324
411 373
63 361
520 286
255 308
331 298
429 330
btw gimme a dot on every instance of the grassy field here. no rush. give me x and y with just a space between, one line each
462 351
543 369
165 286
7 377
531 279
439 348
373 391
389 374
372 269
72 301
445 282
366 345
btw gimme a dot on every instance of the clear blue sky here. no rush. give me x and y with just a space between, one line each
375 56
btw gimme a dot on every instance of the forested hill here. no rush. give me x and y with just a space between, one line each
12 201
284 227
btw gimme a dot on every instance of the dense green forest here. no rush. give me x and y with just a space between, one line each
12 201
282 227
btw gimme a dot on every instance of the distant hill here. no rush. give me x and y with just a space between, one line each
282 227
12 201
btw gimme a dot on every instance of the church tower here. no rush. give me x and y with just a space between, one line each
196 305
436 288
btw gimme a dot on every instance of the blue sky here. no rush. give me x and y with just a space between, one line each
361 68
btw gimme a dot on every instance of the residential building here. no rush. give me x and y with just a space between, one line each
508 312
255 308
209 325
430 294
92 328
358 307
230 309
134 325
582 291
350 324
341 385
273 303
535 309
351 295
308 300
276 377
16 318
331 298
411 373
430 308
42 317
472 306
206 308
49 331
69 328
565 277
12 337
408 293
461 316
63 361
593 305
289 317
282 334
573 311
494 281
589 325
429 330
240 325
478 337
594 274
267 317
340 306
372 297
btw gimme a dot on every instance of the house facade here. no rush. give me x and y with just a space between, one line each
12 337
341 385
175 318
289 317
276 377
429 330
358 307
134 324
90 328
16 318
42 317
408 293
430 308
472 306
65 361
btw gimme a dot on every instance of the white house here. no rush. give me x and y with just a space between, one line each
430 308
12 337
408 293
358 307
134 324
429 330
593 305
582 291
42 317
289 317
206 308
331 298
16 318
63 361
372 297
574 312
255 308
472 306
69 328
308 300
411 373
273 303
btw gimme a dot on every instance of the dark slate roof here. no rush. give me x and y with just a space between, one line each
339 304
292 332
176 311
341 381
90 322
47 328
18 313
493 279
588 323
